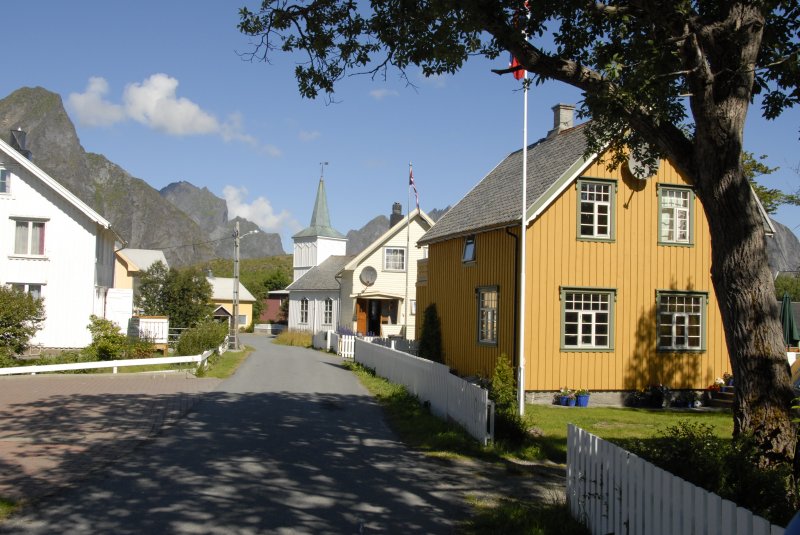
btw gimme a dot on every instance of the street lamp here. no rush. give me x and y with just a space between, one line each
233 339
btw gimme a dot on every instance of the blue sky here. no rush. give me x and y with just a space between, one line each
160 89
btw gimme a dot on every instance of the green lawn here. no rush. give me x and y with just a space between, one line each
618 425
225 365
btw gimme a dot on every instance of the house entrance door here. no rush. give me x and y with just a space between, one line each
361 316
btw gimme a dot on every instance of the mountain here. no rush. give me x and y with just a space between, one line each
186 222
783 250
358 240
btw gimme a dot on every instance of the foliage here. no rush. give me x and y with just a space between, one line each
670 79
654 396
182 295
294 338
21 316
508 424
225 365
430 340
787 283
108 343
150 294
203 336
516 516
771 199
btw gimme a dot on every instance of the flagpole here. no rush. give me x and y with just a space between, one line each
408 249
521 360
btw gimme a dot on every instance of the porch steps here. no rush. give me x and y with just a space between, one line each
722 398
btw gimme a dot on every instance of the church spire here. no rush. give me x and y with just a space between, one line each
320 218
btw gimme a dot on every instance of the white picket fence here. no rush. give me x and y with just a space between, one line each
449 396
614 491
343 345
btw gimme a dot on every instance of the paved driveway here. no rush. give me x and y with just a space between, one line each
291 444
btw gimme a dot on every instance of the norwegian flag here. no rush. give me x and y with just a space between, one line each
412 184
518 74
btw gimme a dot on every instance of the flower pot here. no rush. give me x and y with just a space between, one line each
563 400
582 400
571 402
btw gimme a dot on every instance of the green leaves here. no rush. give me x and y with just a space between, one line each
21 316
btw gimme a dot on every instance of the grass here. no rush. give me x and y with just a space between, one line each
618 425
6 508
420 430
225 365
294 338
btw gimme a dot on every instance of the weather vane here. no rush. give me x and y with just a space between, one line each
322 169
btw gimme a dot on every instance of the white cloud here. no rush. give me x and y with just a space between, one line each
308 135
90 107
380 94
155 104
259 211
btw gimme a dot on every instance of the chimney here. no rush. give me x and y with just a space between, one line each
18 142
562 118
397 214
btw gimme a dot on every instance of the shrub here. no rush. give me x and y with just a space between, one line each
508 424
206 335
107 342
21 316
430 340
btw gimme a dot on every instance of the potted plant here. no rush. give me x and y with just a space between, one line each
566 397
582 397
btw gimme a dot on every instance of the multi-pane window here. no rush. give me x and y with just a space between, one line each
394 259
595 210
327 314
487 315
304 310
469 249
675 215
587 319
34 289
5 178
681 321
29 238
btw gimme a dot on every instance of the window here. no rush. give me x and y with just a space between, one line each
304 310
29 238
487 315
587 318
469 249
675 215
394 259
34 289
242 319
5 178
413 307
327 316
595 210
681 321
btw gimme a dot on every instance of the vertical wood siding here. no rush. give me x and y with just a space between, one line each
635 266
452 285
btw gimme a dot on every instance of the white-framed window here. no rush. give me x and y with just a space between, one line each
34 289
304 310
5 180
675 215
595 210
413 307
587 318
327 315
469 249
681 321
242 320
29 237
487 314
394 259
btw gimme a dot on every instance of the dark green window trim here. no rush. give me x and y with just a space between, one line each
492 318
612 209
703 320
583 298
691 216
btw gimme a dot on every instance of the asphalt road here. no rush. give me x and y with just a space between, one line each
292 443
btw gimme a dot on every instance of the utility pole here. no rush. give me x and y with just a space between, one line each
233 339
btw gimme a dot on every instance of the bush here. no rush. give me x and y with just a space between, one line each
509 426
430 340
21 316
207 335
107 342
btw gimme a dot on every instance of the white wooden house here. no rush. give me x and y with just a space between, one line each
55 246
378 287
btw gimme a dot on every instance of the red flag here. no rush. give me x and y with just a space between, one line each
412 184
518 74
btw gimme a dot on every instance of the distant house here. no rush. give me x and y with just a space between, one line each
618 287
271 310
128 267
56 247
222 298
378 286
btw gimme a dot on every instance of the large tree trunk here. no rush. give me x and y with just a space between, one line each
740 274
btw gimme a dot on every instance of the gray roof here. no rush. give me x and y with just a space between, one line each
222 289
323 276
144 258
320 218
495 201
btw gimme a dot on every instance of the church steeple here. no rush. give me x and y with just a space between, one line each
320 218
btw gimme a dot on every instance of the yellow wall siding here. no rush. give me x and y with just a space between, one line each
635 266
451 285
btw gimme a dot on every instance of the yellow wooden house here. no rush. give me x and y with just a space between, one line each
618 287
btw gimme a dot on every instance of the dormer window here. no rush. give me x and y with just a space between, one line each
469 249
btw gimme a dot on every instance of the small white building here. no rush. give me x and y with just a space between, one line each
55 247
